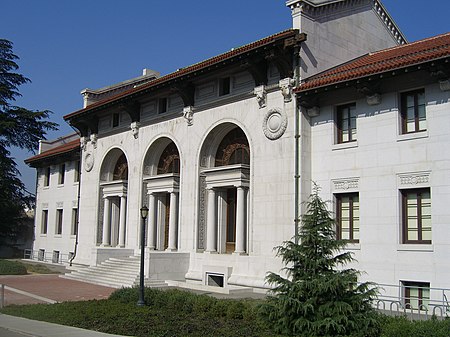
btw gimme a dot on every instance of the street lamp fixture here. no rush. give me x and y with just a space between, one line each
144 214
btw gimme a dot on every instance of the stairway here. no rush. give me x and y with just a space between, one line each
114 273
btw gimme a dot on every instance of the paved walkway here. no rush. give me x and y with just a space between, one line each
31 289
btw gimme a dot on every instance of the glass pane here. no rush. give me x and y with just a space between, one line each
413 235
421 98
426 234
410 100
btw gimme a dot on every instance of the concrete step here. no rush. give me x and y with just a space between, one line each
113 272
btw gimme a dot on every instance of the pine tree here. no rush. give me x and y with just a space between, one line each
21 128
319 297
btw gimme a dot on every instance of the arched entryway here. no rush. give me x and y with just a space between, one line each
162 181
224 188
113 204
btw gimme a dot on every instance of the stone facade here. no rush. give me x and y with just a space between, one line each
211 151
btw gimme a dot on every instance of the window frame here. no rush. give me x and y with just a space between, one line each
224 86
163 105
74 227
77 171
404 205
44 222
61 174
115 121
47 175
404 111
59 221
407 286
340 111
338 198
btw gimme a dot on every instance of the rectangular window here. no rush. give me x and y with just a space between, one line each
44 221
162 105
115 119
59 221
41 255
413 111
416 216
77 172
346 123
224 86
74 227
62 174
416 295
47 176
347 217
55 257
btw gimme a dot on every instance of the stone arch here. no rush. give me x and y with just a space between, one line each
161 179
113 199
224 181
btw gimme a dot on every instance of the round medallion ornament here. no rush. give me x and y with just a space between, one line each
88 161
274 124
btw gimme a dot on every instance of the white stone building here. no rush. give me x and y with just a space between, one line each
223 154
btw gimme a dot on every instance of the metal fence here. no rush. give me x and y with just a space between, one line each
43 256
394 300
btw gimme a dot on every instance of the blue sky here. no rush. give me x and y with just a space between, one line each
66 46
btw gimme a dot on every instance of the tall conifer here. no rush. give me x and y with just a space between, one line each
319 297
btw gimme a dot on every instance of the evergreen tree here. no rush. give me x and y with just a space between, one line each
19 127
319 297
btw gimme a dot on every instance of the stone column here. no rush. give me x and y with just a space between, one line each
122 219
151 237
211 226
173 222
106 239
240 221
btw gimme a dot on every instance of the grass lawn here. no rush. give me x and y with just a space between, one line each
180 313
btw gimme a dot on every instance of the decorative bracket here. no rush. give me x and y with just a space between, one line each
94 139
261 95
286 85
83 142
134 126
188 114
258 69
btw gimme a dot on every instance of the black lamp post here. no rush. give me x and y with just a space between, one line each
144 213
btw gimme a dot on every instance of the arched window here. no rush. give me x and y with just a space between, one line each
233 149
169 161
121 169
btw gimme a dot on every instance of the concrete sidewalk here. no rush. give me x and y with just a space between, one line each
11 326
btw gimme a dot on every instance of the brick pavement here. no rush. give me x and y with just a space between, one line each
51 287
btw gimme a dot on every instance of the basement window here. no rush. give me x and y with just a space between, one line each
215 280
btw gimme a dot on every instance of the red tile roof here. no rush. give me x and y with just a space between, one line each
190 69
56 151
382 61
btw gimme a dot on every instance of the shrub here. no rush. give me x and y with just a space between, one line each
12 268
403 327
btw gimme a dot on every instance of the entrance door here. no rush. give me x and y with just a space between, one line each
231 220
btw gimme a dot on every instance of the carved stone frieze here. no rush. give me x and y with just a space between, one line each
59 204
344 185
45 205
414 179
274 123
94 139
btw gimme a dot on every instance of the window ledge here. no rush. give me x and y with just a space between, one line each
73 236
58 235
342 146
415 248
353 246
43 235
60 185
411 136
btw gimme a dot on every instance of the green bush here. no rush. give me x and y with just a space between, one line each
12 268
403 327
